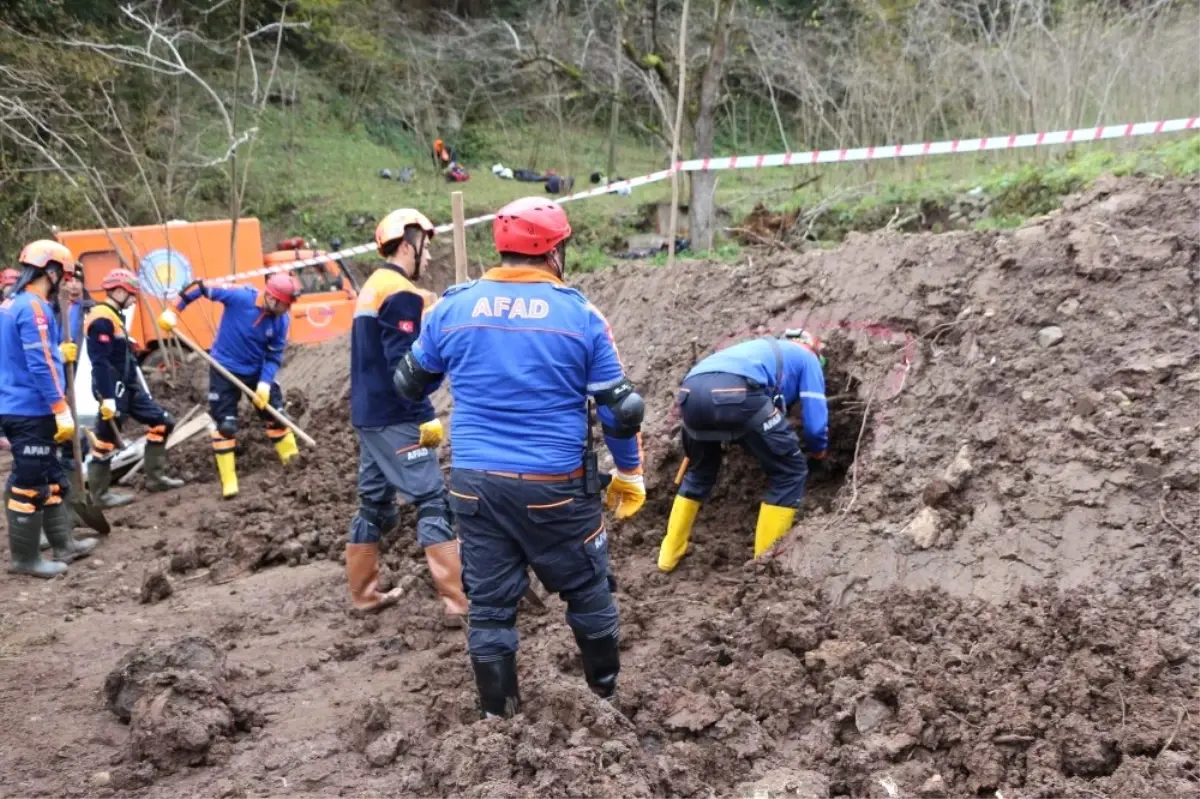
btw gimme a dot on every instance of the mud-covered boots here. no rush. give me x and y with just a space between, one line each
99 477
24 529
679 532
226 468
601 662
362 573
445 567
773 524
496 681
156 469
286 448
56 520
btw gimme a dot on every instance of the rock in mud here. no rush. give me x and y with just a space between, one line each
156 587
960 470
787 783
1049 336
925 529
126 682
369 721
384 749
869 713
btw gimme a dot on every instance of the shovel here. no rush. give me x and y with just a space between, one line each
91 515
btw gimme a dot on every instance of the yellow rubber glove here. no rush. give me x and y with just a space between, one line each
167 320
262 395
431 434
108 410
626 494
64 423
69 351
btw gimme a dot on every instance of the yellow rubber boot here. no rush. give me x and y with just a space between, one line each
286 447
225 468
773 524
679 531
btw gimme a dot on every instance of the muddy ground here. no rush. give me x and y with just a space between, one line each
991 591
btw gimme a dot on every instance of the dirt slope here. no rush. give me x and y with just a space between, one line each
993 590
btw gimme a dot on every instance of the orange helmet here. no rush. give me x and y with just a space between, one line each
44 252
392 226
9 276
121 279
283 287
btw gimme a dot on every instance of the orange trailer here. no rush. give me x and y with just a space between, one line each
168 257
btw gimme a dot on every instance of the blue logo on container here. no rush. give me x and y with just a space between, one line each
164 272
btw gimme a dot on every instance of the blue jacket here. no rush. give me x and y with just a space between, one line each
75 313
387 320
522 352
803 381
32 381
109 351
250 341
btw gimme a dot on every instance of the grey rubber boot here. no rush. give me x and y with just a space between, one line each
156 466
23 532
56 520
99 478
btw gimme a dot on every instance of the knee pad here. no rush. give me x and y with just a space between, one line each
228 427
381 515
595 597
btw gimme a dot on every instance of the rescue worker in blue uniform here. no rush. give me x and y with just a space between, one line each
118 386
35 415
743 393
523 353
397 437
250 342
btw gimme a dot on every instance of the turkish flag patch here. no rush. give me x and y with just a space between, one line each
406 326
104 338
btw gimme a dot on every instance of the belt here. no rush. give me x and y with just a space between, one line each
539 478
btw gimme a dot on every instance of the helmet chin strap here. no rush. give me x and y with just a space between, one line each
556 259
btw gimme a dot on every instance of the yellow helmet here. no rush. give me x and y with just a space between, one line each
392 226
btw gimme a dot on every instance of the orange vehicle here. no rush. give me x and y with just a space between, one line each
168 257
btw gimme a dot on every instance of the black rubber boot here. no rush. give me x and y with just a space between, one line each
156 466
496 681
99 478
601 662
56 520
24 529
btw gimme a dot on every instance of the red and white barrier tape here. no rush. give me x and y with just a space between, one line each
988 143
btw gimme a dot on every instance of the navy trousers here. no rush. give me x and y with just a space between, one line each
506 524
721 407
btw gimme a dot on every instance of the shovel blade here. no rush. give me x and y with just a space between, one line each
92 517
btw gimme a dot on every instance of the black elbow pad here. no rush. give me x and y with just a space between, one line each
410 379
627 407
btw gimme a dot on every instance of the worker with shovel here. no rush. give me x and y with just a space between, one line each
743 394
118 386
35 413
523 354
249 345
397 437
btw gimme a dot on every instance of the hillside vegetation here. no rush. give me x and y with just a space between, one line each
140 112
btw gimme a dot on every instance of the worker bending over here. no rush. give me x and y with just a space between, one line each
118 386
397 437
743 393
523 352
250 343
35 415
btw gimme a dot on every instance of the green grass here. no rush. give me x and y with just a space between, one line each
312 177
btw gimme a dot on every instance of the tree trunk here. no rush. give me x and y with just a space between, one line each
614 122
702 219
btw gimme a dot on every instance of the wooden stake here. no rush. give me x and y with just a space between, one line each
460 237
681 61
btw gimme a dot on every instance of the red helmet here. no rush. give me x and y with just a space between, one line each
121 279
530 226
9 276
43 252
283 287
